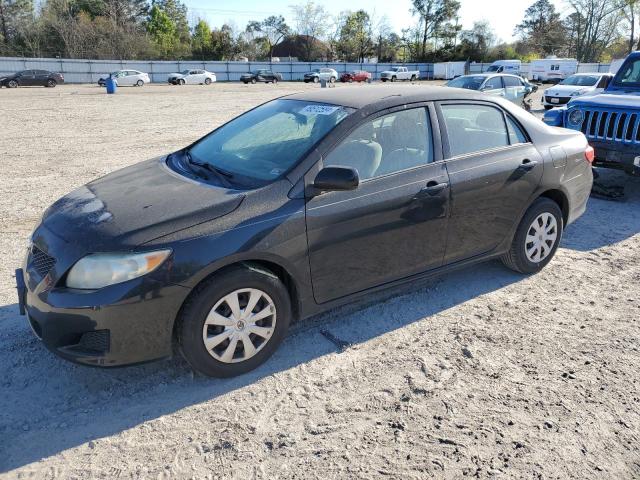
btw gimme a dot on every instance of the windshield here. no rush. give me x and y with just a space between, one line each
267 141
493 68
629 74
470 82
185 72
581 80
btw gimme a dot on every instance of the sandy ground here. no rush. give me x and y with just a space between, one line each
481 373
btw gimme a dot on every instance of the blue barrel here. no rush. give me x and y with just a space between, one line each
111 85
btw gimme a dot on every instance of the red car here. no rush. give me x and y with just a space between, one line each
355 76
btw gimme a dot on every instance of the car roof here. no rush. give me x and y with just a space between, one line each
390 95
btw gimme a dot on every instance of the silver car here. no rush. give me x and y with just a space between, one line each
192 76
511 87
130 78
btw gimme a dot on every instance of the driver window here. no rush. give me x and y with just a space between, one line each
391 143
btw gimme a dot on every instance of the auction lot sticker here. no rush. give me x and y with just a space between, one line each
319 109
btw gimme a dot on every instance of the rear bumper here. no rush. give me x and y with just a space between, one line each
119 325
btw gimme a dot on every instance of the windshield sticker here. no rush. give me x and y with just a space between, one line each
319 109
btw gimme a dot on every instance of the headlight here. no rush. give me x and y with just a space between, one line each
576 116
577 92
102 269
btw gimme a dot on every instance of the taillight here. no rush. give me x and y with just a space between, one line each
589 154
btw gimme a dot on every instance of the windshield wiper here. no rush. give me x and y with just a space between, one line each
220 174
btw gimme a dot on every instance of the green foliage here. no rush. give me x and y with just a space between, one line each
355 41
201 41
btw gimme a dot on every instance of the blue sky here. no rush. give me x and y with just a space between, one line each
503 15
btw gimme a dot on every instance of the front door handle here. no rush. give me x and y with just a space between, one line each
433 187
527 164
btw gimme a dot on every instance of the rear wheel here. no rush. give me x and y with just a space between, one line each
275 80
393 79
253 80
234 322
139 83
181 81
207 81
332 80
413 78
316 79
537 237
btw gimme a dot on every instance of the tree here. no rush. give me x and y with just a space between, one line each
355 42
541 29
476 42
201 41
272 30
162 30
593 26
311 24
433 15
14 16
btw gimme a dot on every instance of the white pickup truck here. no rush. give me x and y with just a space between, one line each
399 73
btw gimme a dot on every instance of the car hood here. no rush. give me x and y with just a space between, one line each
135 205
611 99
176 75
565 90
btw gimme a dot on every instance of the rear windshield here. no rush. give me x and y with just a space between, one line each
629 74
266 142
581 80
470 82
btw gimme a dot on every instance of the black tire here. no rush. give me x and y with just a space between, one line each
195 310
51 83
393 79
275 80
383 80
253 80
516 258
12 84
207 81
139 83
316 79
246 83
413 78
181 81
332 80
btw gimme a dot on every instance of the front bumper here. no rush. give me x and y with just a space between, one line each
126 323
119 325
548 101
619 157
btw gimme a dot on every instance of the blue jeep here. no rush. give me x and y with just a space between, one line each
610 119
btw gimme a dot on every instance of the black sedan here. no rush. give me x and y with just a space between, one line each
295 207
266 76
32 78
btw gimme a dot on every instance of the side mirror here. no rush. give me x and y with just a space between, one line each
332 179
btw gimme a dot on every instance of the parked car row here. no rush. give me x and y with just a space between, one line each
137 78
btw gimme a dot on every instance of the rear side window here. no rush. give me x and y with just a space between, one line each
516 135
511 82
474 128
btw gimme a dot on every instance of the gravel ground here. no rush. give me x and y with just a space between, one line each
480 373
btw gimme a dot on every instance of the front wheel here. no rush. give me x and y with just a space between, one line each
253 80
332 80
537 237
393 79
234 322
275 80
12 84
181 81
316 79
51 83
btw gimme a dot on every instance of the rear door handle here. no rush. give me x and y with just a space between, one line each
527 164
433 187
